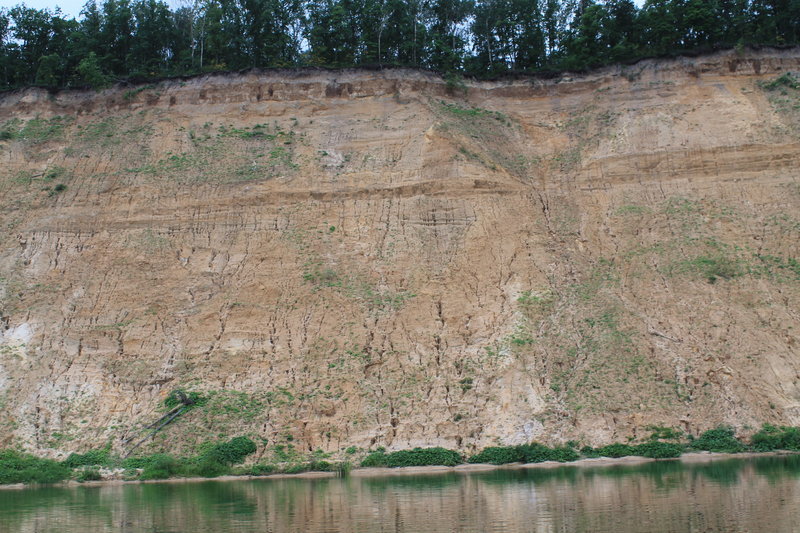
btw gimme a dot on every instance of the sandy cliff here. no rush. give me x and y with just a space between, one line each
373 258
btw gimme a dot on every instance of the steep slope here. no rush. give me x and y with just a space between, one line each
380 259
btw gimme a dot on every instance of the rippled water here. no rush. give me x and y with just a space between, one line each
734 495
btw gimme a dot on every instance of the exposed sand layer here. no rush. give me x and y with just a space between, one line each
361 259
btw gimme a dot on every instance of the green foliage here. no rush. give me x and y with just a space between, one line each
260 469
17 467
787 79
142 39
720 439
471 112
525 453
10 130
375 459
454 84
771 438
159 466
615 450
49 72
90 458
231 452
423 457
195 398
659 450
40 130
91 73
343 468
415 457
89 474
537 453
664 433
653 449
207 466
715 267
498 455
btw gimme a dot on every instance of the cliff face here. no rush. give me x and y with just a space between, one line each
375 258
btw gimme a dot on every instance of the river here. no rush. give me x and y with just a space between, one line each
758 494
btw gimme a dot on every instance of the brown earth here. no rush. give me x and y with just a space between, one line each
357 258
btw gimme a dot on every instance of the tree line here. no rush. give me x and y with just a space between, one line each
141 39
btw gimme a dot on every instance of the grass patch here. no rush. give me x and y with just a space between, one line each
40 130
785 80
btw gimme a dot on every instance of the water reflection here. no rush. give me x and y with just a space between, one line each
724 495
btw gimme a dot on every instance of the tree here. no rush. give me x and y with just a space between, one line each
89 73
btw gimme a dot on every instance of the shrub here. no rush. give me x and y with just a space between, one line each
665 433
205 466
659 450
537 453
343 468
260 469
16 467
232 452
159 466
320 466
525 453
376 458
616 450
296 468
90 458
423 457
784 80
776 438
498 455
89 474
174 399
720 439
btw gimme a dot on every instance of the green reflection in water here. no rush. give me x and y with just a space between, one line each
720 495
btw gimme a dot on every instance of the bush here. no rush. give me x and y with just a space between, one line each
16 467
659 450
720 439
159 466
498 455
525 453
343 468
89 474
771 438
206 466
616 450
174 399
537 453
232 452
296 468
423 457
260 470
90 458
376 458
784 80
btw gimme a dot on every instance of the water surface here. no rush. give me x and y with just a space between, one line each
733 495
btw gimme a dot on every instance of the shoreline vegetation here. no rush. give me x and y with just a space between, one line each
224 460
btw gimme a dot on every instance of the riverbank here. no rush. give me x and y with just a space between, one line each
224 460
367 472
